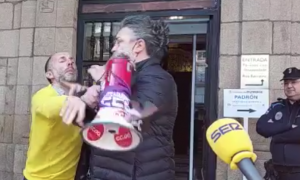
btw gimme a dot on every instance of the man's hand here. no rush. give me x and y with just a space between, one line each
97 72
137 112
74 88
91 96
73 108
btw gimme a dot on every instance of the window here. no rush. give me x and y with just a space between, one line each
98 41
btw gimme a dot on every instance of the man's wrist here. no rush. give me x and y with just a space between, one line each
86 102
83 99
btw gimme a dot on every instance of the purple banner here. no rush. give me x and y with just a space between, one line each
117 96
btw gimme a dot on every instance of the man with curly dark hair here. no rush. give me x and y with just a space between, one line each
144 40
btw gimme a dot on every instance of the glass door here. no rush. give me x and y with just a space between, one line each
192 172
197 110
187 64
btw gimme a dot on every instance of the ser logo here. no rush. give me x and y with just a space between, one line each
222 130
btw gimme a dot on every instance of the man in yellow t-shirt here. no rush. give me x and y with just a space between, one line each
54 147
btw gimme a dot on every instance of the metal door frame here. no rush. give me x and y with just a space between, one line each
192 120
212 50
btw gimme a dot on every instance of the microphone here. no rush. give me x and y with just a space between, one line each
232 144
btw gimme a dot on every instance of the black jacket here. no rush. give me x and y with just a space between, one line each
282 124
153 159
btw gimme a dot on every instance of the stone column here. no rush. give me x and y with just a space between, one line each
30 31
257 27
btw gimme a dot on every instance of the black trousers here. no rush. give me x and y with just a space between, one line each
289 176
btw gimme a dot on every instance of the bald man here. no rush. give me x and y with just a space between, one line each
54 147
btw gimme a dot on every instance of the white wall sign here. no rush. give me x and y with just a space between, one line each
251 103
254 72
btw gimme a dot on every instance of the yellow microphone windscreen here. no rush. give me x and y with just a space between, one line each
227 138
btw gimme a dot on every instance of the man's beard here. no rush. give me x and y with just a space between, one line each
124 52
68 77
121 54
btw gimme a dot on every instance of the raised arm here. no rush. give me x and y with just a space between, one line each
48 106
156 89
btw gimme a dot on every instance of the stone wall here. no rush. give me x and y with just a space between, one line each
30 31
257 27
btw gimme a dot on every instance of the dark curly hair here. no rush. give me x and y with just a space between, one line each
155 33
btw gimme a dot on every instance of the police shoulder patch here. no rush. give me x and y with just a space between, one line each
278 115
274 104
278 103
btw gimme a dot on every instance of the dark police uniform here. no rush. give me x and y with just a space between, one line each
282 123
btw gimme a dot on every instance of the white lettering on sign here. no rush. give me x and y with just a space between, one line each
245 102
254 72
120 113
245 97
123 137
98 133
115 115
116 99
116 94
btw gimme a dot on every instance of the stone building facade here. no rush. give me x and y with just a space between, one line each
31 30
250 27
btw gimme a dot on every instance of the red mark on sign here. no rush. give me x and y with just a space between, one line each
94 133
124 137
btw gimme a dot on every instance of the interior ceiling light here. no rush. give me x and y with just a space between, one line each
175 17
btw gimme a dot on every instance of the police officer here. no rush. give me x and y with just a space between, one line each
282 123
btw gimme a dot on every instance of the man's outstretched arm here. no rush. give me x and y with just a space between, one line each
48 106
